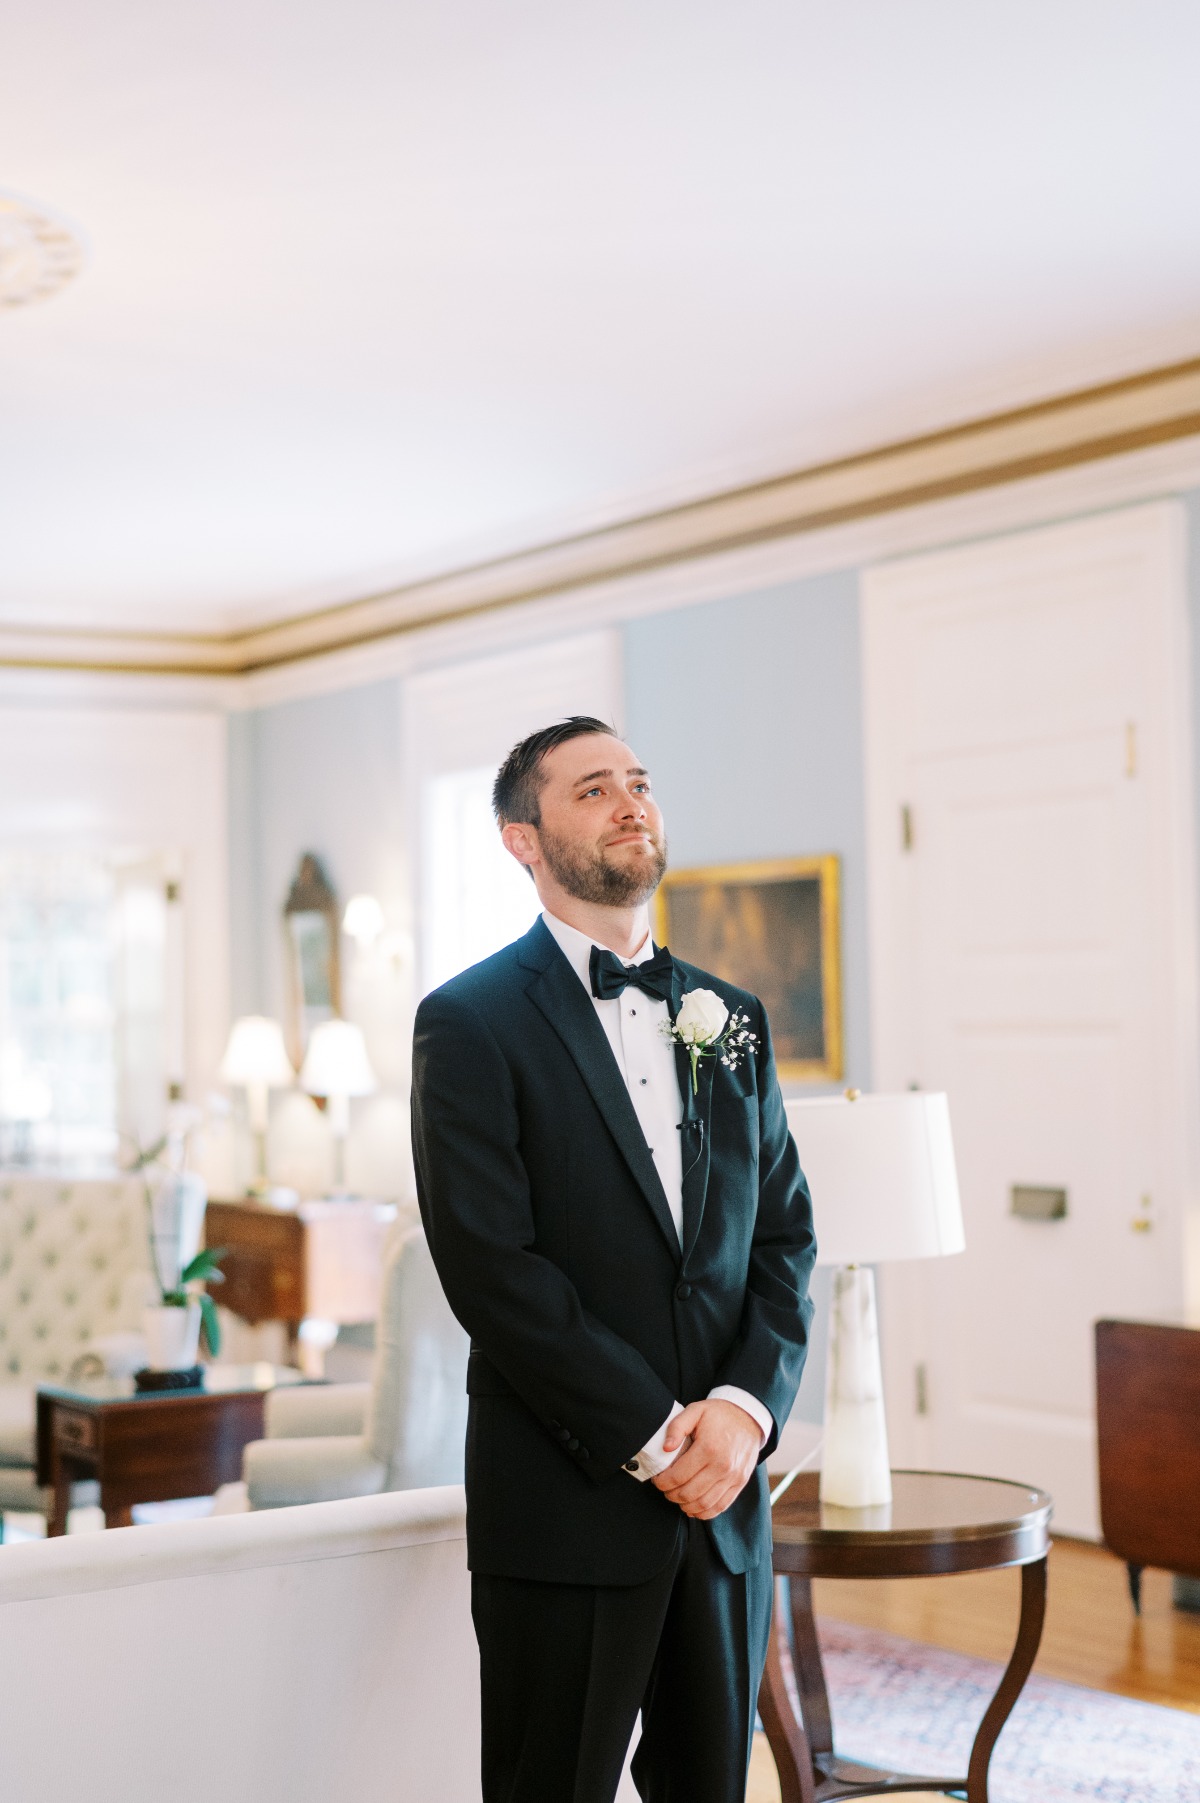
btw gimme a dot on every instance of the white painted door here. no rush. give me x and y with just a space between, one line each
1032 952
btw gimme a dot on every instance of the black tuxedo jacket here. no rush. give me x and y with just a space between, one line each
551 1233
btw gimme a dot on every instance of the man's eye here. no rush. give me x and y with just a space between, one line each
588 792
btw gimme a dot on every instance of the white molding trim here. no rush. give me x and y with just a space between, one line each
1159 472
842 513
126 690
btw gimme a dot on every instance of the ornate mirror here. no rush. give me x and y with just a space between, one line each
310 920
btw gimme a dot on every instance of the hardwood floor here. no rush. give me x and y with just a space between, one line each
1092 1636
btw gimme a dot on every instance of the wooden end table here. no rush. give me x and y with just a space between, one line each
322 1259
936 1523
149 1446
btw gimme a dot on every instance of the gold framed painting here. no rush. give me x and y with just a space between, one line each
774 928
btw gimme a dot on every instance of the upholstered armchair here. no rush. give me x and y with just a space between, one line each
403 1431
74 1270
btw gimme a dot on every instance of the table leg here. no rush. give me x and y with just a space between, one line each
61 1478
117 1515
1029 1635
779 1702
810 1671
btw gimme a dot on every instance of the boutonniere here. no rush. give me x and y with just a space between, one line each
706 1029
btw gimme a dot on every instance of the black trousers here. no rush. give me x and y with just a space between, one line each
565 1668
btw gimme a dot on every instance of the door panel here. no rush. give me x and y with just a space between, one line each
1024 946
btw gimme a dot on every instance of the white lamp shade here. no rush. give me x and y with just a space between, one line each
256 1054
336 1063
882 1175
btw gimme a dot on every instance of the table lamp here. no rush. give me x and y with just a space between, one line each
256 1059
884 1186
336 1066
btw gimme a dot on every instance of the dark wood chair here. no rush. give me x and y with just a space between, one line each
1148 1420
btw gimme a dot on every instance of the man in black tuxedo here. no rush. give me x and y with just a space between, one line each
630 1254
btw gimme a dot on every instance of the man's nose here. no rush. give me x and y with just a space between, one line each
631 807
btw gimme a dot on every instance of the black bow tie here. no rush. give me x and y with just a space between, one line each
610 977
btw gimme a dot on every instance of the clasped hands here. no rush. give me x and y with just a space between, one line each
718 1463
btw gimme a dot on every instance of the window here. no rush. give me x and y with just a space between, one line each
478 896
86 966
470 897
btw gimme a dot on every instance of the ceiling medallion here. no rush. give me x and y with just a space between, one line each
39 253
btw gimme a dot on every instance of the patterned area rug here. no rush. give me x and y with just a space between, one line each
916 1708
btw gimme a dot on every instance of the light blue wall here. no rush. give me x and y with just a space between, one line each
321 775
748 714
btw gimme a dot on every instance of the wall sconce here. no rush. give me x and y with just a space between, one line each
363 920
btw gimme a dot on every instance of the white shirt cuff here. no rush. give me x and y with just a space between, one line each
751 1404
654 1456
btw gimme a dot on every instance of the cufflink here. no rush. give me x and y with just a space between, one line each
632 1465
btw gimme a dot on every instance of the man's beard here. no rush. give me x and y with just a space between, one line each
589 877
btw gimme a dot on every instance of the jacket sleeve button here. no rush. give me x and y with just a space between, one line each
572 1446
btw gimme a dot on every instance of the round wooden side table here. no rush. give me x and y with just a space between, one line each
936 1523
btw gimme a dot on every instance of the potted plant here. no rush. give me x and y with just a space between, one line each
176 1199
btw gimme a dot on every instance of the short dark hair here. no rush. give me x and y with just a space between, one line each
519 780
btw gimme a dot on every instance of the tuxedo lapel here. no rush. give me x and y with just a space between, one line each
697 1121
557 992
697 1148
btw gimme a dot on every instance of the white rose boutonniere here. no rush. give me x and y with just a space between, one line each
705 1027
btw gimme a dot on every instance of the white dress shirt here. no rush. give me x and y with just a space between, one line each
632 1025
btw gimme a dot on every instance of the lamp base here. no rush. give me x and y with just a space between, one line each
855 1473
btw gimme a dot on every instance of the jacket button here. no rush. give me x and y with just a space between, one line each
684 1291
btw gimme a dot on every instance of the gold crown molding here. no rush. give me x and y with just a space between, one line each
1147 409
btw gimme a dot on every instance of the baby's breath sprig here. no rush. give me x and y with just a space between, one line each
736 1041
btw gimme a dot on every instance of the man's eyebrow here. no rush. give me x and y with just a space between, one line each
593 774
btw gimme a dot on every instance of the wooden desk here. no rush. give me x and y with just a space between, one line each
151 1447
936 1523
1148 1427
321 1259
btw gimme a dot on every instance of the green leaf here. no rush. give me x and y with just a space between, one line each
204 1267
149 1155
210 1322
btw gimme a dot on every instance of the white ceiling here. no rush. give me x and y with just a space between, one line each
376 288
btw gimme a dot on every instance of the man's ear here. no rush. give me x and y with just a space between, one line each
521 840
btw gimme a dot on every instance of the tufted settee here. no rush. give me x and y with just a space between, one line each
74 1266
